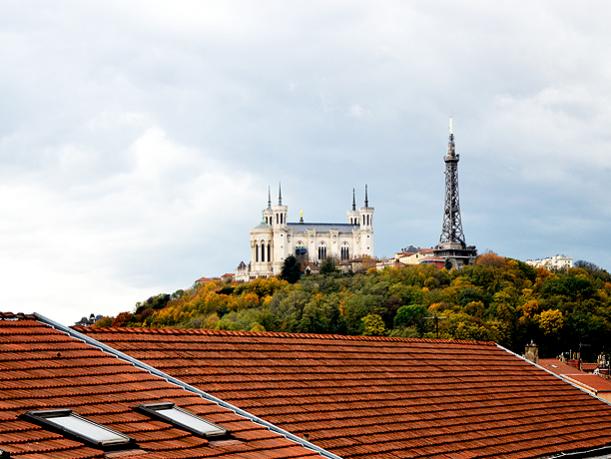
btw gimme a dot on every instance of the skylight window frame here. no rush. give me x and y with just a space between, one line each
152 409
45 419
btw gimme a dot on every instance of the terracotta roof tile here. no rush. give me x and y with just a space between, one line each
43 368
591 382
380 397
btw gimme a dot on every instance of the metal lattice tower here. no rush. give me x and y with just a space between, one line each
452 232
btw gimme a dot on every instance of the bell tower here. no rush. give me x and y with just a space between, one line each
280 238
279 211
353 215
268 213
365 221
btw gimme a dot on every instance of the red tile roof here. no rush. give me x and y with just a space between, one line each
381 397
43 368
588 381
589 366
558 367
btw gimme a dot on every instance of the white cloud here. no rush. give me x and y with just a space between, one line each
65 255
357 111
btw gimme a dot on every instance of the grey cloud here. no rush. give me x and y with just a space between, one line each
321 96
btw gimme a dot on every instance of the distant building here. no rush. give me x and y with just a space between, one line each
92 319
415 256
384 263
275 238
555 262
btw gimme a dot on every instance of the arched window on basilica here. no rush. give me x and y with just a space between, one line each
322 252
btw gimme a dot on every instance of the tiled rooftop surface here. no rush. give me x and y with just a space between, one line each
559 367
42 368
587 380
595 382
589 366
362 397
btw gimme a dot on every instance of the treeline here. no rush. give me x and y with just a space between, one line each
498 299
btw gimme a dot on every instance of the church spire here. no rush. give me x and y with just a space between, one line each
279 193
366 197
269 197
353 199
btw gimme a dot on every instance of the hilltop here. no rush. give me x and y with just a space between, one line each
497 299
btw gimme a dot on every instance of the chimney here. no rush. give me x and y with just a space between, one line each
531 352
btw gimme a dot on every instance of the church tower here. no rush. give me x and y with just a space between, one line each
280 234
365 232
353 215
261 238
452 244
268 213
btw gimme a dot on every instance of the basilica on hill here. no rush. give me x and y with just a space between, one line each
275 238
351 243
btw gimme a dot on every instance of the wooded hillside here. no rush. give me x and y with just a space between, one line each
497 299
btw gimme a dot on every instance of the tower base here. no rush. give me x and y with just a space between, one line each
456 255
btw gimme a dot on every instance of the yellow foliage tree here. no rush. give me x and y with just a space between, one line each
373 325
551 321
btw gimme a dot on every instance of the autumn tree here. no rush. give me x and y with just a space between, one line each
373 325
551 322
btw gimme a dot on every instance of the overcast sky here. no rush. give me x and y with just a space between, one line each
138 138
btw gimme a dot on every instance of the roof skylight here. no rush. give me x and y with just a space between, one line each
182 418
66 421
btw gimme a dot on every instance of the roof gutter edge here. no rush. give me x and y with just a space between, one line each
521 357
188 387
587 453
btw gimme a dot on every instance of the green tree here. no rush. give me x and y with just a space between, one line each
328 266
290 270
413 315
321 315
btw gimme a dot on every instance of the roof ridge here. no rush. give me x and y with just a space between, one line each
16 316
270 334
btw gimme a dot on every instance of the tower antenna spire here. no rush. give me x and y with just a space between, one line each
279 193
269 197
451 146
366 197
353 199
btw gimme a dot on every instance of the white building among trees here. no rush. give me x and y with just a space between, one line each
275 238
555 262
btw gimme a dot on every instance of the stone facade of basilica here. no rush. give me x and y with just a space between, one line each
275 238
